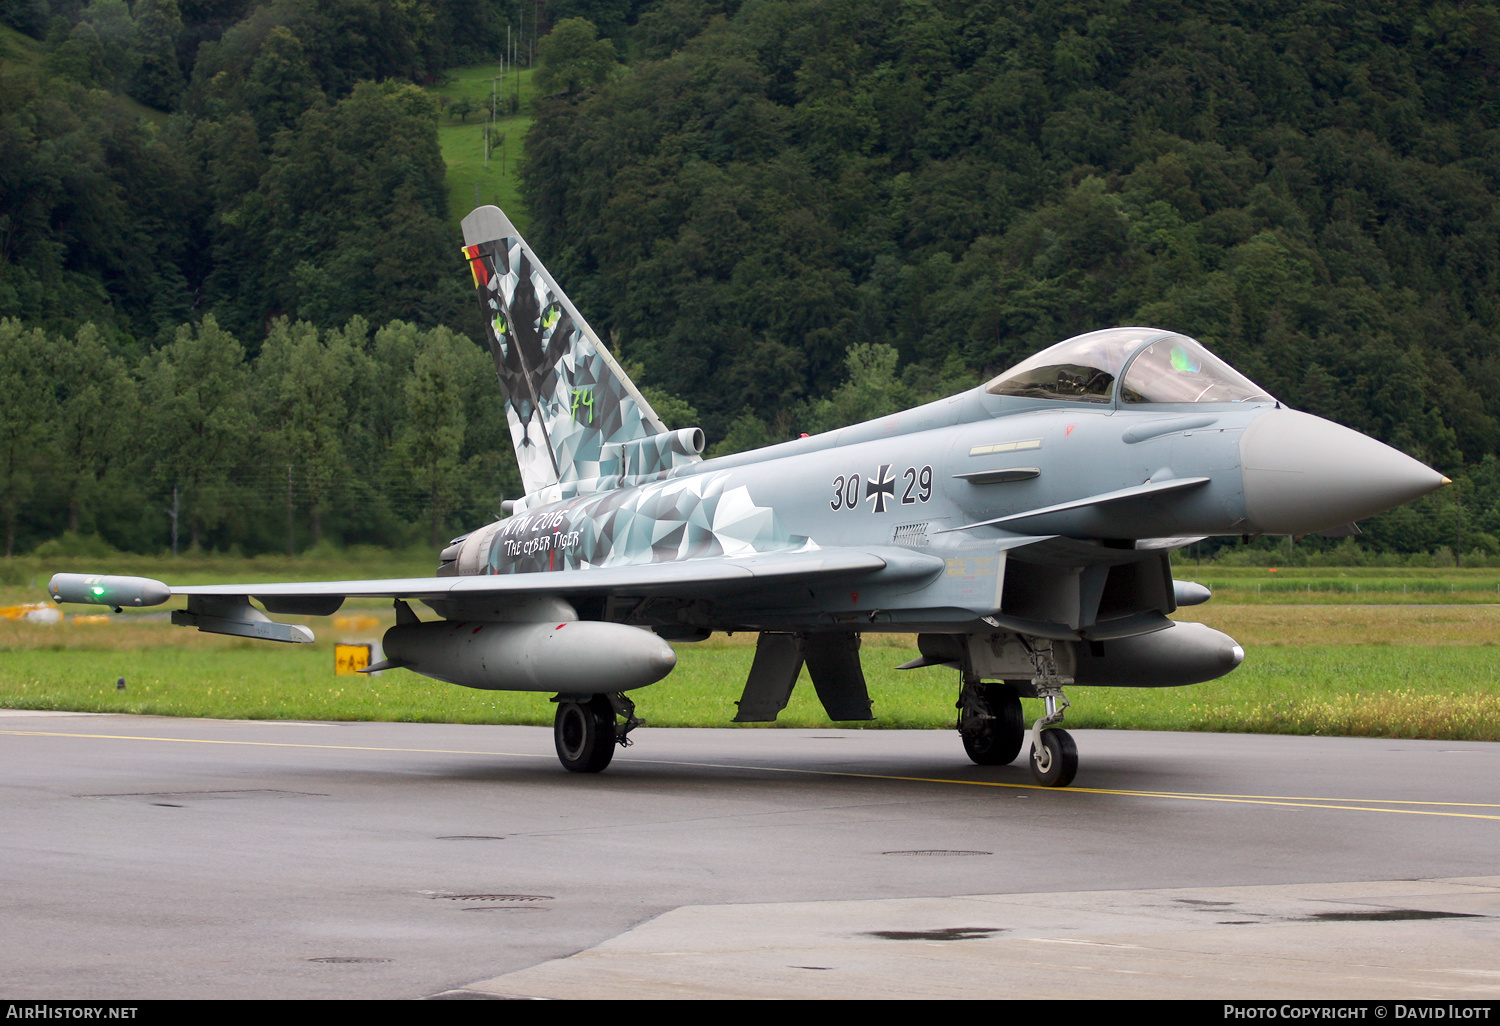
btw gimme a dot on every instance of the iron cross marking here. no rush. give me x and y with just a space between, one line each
881 487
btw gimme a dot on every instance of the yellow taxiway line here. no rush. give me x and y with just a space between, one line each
1427 808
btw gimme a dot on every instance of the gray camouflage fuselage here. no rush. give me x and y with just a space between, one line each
915 481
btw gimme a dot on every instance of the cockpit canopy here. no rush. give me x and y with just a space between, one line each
1158 367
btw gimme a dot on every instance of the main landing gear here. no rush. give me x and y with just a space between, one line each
993 728
990 722
585 732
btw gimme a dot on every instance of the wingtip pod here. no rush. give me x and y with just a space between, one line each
108 591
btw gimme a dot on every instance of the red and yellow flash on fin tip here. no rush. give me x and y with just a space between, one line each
476 266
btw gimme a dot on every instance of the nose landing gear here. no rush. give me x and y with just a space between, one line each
1054 756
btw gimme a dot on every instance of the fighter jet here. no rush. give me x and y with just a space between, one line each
1022 530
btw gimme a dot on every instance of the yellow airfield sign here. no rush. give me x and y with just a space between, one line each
349 659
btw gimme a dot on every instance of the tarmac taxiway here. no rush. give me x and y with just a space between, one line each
149 857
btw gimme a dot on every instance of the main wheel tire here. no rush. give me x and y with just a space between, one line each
1057 763
997 742
584 733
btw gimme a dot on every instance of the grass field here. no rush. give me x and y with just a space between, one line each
1358 585
470 182
1370 669
18 50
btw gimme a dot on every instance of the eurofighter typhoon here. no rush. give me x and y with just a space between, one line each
1022 531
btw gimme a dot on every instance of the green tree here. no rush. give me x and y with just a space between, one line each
96 417
76 53
666 27
97 213
429 445
158 76
746 432
573 57
305 387
27 448
201 422
117 56
348 219
872 390
281 83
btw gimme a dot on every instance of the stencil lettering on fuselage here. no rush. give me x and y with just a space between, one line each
685 518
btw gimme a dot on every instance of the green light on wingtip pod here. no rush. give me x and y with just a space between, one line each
97 590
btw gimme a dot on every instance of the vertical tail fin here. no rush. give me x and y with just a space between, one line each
573 413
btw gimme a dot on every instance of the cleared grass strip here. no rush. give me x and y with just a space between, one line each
1411 691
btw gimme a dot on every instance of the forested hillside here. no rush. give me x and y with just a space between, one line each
285 156
227 280
1309 188
788 214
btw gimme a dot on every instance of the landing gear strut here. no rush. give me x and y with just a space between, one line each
990 722
1054 757
585 732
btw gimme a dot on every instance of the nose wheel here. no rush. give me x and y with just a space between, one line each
1054 762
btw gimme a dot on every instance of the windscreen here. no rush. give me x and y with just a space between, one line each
1178 370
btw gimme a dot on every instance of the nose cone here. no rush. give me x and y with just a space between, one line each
1306 474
